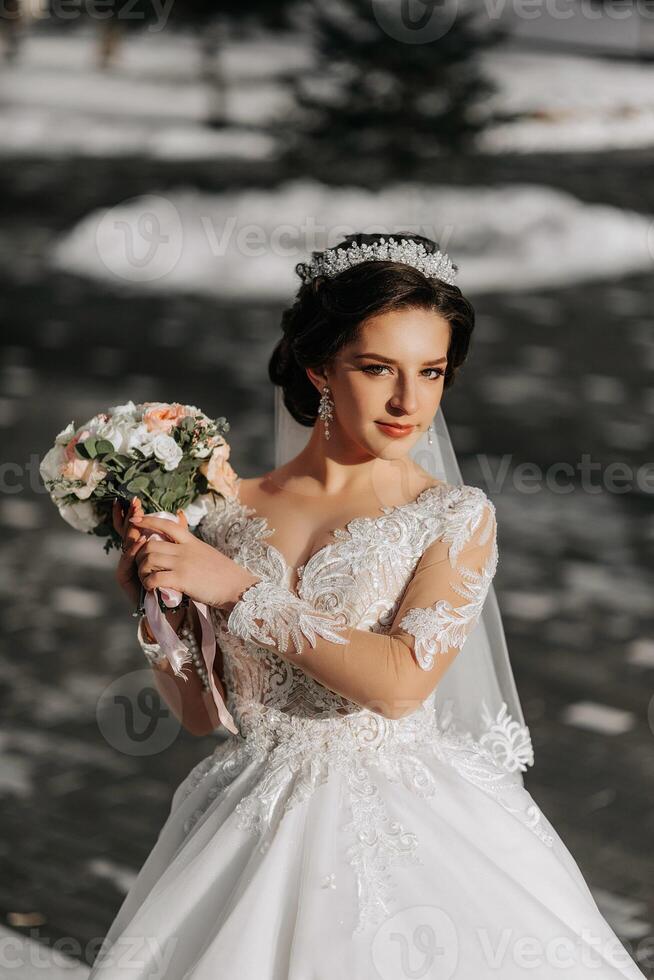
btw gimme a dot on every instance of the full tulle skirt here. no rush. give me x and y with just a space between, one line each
269 870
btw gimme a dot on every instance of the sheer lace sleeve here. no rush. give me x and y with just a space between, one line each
448 590
393 672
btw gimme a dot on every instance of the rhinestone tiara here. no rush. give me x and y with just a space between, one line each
329 263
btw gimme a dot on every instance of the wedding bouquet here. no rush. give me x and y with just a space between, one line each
172 457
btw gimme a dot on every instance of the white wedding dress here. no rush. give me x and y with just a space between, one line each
330 842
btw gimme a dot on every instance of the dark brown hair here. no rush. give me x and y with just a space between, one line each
328 312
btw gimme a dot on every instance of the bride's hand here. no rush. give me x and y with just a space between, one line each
187 564
126 569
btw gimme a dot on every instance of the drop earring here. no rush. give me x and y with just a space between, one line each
430 429
325 408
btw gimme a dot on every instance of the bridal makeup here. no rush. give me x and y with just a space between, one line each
395 431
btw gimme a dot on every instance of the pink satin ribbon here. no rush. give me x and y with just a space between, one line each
172 645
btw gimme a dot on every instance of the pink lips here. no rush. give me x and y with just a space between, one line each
395 430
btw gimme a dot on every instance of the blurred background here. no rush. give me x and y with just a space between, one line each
163 166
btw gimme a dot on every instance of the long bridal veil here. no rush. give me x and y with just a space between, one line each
477 694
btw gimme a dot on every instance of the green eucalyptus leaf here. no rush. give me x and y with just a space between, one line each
82 450
138 484
103 447
89 446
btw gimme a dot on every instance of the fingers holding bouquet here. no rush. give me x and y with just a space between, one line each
120 515
160 551
133 540
174 558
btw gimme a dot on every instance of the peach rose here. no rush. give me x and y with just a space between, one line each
219 473
164 418
90 471
69 451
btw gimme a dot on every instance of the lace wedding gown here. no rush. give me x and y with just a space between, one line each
328 841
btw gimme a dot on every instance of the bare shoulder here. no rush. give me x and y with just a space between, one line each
255 489
244 482
256 482
424 480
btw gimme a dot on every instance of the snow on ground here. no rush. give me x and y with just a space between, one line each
54 100
160 55
576 102
231 245
574 131
574 83
64 133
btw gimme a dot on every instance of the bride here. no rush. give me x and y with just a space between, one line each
364 815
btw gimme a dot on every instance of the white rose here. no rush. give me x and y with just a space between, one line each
142 439
65 435
115 432
51 464
167 451
201 450
81 516
128 410
50 469
92 472
198 508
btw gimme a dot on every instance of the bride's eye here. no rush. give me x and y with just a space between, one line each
372 369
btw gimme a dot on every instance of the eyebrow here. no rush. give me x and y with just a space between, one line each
389 360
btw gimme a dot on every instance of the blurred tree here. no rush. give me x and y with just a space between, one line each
11 23
242 19
215 23
111 18
389 89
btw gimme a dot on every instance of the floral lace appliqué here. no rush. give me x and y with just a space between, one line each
282 617
442 625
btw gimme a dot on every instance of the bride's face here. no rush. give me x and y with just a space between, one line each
392 373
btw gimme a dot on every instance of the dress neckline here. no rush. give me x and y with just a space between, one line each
251 514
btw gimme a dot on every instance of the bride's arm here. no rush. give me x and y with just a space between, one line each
189 699
392 673
183 696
